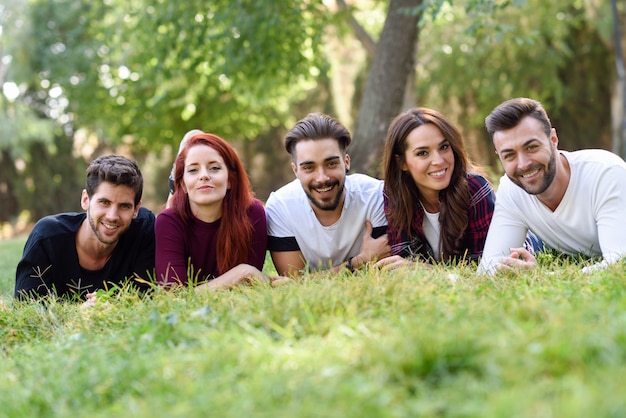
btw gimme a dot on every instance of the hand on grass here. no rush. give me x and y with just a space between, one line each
519 258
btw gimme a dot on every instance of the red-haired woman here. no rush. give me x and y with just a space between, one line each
214 233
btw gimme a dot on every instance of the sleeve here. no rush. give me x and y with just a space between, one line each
610 213
481 208
143 265
505 231
280 234
33 273
258 249
378 218
170 260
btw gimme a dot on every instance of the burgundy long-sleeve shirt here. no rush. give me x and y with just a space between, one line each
188 252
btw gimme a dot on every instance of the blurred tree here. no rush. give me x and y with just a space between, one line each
147 71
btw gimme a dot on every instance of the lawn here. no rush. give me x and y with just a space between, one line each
433 343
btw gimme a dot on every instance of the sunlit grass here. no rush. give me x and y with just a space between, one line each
429 342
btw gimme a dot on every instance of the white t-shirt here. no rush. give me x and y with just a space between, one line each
292 224
590 220
432 233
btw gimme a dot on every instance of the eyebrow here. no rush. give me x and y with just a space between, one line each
425 147
523 145
326 160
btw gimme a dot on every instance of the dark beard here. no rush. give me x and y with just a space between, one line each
330 206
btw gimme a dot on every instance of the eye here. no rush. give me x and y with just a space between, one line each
421 154
215 168
333 163
192 170
445 146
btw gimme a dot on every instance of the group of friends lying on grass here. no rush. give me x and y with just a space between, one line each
433 206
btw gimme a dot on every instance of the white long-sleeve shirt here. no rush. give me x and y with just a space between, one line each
590 220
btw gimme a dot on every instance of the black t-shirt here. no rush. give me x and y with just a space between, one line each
49 264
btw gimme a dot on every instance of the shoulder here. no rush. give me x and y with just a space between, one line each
145 215
289 192
167 216
256 209
476 181
58 224
479 189
597 159
363 184
145 219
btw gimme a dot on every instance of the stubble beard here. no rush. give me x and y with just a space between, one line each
328 205
548 177
94 228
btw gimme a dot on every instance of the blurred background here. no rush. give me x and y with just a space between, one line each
81 78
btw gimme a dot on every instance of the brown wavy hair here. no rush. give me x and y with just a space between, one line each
234 236
403 196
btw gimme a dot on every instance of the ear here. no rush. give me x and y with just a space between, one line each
294 168
137 206
554 138
84 200
347 161
400 162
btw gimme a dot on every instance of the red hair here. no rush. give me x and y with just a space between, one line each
234 236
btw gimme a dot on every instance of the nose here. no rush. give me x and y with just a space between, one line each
321 175
112 212
437 158
204 173
523 162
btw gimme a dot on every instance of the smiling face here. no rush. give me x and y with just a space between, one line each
205 179
321 168
528 155
429 159
110 211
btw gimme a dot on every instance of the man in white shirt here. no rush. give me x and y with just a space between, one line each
575 202
324 219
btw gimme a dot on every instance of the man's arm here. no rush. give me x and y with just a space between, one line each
33 271
372 249
288 263
610 215
506 233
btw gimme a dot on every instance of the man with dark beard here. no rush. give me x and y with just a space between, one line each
324 218
575 202
72 255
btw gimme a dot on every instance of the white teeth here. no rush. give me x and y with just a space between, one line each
109 226
328 189
438 173
532 173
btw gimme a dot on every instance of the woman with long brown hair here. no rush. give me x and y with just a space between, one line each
214 230
438 207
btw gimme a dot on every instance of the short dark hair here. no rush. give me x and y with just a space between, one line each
317 126
117 170
508 114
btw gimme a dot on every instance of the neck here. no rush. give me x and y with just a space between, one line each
430 203
329 217
92 253
553 195
206 213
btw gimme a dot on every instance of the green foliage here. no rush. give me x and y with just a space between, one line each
157 67
474 57
426 342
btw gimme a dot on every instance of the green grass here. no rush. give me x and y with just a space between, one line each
431 343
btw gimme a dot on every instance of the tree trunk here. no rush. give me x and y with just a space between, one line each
619 136
393 64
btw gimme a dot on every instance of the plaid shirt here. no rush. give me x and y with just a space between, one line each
480 211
